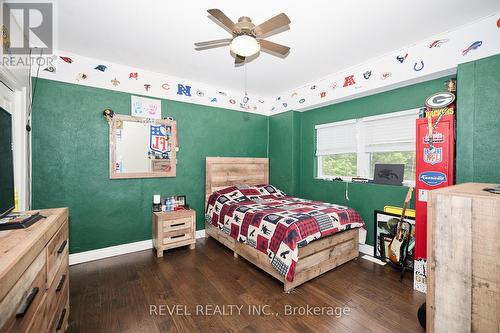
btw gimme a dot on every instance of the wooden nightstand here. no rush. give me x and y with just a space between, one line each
173 229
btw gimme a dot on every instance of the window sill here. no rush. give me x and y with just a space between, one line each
348 180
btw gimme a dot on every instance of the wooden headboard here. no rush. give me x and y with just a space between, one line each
223 172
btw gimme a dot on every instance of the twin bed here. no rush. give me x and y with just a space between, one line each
292 239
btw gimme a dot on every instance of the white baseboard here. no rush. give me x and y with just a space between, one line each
373 259
200 233
78 258
107 252
366 249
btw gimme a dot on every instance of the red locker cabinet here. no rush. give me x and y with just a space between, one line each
434 169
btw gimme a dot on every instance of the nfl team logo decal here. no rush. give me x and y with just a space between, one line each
439 100
432 178
158 139
433 156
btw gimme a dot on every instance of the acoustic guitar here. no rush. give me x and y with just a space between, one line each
398 244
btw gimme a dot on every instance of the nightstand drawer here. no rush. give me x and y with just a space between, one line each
178 235
177 224
57 252
21 304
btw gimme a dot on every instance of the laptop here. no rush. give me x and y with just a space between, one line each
389 174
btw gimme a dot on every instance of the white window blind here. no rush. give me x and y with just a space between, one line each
336 138
390 132
353 147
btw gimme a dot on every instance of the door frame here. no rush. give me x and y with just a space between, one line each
14 88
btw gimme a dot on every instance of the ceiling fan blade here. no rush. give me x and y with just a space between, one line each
274 47
212 42
274 23
208 47
222 18
239 60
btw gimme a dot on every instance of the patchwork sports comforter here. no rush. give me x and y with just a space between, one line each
276 224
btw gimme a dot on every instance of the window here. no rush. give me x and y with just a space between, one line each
353 147
396 157
339 165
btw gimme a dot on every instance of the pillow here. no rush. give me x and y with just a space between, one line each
254 190
268 189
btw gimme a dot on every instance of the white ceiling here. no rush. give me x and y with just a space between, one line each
325 36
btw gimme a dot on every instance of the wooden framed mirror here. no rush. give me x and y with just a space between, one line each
142 147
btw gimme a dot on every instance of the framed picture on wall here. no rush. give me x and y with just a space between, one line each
181 201
385 229
145 107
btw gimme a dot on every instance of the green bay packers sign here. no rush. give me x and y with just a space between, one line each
441 102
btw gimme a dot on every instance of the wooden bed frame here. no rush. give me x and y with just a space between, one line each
315 258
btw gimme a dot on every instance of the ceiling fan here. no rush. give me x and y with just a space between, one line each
247 37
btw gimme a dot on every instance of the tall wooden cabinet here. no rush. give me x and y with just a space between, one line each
34 280
463 250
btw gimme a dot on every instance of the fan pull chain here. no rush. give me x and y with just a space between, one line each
245 99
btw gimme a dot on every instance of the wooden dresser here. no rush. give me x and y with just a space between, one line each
463 285
34 281
173 229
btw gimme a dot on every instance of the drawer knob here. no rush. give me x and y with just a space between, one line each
26 303
63 245
61 320
61 283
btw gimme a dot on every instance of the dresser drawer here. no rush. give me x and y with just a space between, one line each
22 303
60 321
57 252
57 293
39 322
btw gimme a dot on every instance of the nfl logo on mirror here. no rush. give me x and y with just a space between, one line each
158 139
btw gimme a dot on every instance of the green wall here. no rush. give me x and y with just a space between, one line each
478 137
70 160
70 151
478 121
284 151
365 198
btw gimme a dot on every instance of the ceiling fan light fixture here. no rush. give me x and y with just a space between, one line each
245 45
247 38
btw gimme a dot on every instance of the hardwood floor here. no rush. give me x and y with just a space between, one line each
121 294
